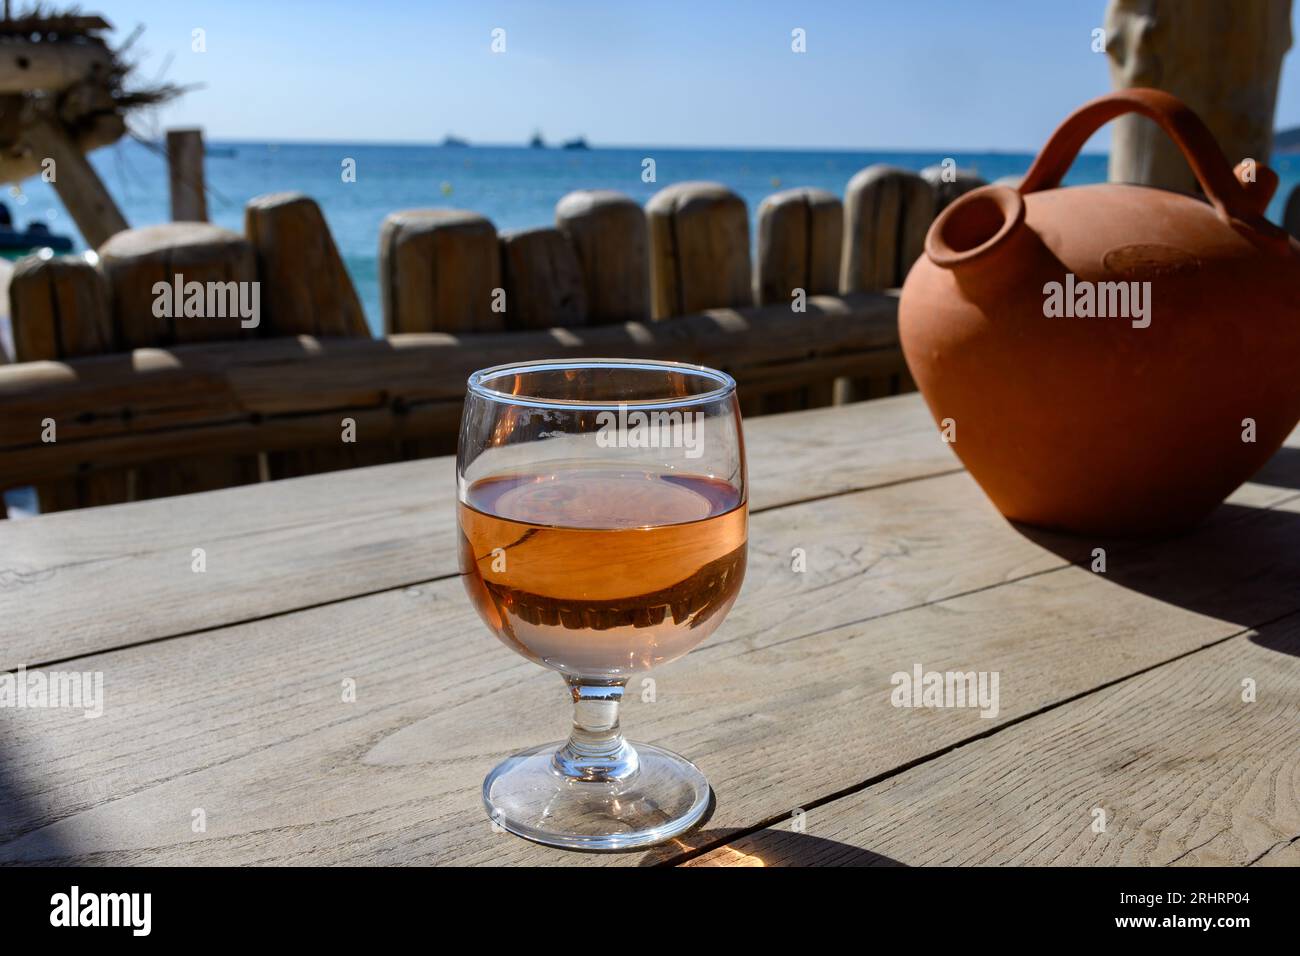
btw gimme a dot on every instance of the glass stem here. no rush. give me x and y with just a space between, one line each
596 750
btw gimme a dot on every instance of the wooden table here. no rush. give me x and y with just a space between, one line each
1120 693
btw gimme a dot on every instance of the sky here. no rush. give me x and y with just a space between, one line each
966 75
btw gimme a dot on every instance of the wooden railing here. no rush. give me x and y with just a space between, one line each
115 398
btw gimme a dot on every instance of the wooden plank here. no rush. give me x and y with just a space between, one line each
306 541
288 772
1184 771
153 403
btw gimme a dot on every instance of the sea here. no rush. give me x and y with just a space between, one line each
514 186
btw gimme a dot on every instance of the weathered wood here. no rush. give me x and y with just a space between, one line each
699 249
72 574
275 394
59 309
306 289
76 182
439 270
887 214
950 183
1028 796
1291 215
205 269
932 577
185 175
800 232
799 238
136 261
542 280
1222 60
611 240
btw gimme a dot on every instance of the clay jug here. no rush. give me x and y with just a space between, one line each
1137 413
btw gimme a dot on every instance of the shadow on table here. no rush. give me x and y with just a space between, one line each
19 809
1242 566
771 848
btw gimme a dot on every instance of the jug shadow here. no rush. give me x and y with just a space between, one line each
771 847
1240 565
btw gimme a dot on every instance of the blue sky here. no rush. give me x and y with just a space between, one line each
943 74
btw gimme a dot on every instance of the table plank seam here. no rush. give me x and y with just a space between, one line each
236 622
690 854
1131 548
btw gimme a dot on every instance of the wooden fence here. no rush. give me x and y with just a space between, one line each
121 393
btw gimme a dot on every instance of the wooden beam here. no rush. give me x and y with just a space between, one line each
273 394
77 183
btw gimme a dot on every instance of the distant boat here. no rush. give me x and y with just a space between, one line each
454 141
579 143
537 142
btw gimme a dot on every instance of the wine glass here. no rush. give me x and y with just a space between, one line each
602 508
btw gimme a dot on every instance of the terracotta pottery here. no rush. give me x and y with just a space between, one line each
1133 423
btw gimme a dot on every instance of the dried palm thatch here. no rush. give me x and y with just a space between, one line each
57 71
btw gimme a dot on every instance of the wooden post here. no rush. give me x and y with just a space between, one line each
306 290
542 280
800 232
699 249
948 186
799 236
887 212
77 183
439 270
185 175
135 262
612 242
59 310
1222 59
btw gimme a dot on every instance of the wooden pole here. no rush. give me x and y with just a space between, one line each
185 175
1222 59
77 183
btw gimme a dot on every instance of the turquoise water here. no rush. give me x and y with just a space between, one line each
513 186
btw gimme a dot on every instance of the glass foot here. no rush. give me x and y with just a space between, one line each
663 797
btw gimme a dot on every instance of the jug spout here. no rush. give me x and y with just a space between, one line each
981 233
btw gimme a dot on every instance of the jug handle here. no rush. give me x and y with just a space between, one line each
1228 197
